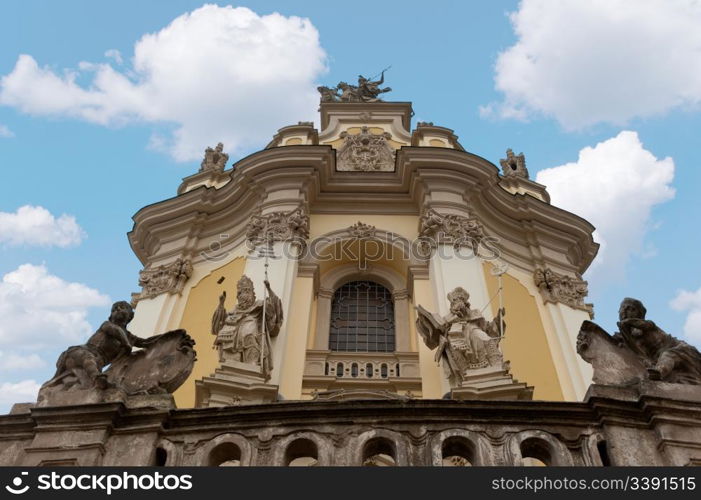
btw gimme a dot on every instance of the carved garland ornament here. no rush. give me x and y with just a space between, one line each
456 229
278 226
366 152
555 287
166 278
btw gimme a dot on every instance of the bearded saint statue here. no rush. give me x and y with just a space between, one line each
244 333
463 338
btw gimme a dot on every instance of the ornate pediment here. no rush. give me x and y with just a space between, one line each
278 226
365 152
169 278
555 287
449 228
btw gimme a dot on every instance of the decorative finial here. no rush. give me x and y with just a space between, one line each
514 165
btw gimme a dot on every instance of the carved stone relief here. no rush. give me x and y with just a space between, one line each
448 228
361 230
166 278
555 287
278 226
366 152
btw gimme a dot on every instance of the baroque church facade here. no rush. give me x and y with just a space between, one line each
361 292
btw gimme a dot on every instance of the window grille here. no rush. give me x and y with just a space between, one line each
362 318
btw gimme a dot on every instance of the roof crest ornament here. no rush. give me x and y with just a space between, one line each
367 90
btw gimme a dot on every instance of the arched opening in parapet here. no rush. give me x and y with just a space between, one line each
379 452
457 451
225 455
535 453
161 457
362 320
602 447
302 453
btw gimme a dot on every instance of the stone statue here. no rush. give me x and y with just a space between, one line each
642 351
214 159
464 339
243 334
366 91
329 94
167 358
369 90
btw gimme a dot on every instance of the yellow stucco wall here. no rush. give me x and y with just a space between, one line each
432 376
404 225
299 321
525 343
197 317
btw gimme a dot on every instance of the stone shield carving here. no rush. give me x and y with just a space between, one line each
366 152
160 369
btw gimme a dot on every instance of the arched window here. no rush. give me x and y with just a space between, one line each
362 318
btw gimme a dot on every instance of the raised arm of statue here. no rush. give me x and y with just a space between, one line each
219 316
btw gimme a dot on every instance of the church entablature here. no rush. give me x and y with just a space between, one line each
531 233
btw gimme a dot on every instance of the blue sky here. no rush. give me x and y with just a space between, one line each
618 81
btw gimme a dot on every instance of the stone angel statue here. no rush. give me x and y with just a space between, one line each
463 338
243 334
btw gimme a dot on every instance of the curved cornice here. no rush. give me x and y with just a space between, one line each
533 232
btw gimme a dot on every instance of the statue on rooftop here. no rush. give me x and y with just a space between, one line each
214 159
639 350
367 90
161 367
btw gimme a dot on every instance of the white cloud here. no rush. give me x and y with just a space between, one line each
600 60
16 362
690 301
6 132
614 185
40 310
19 392
217 73
114 54
34 225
